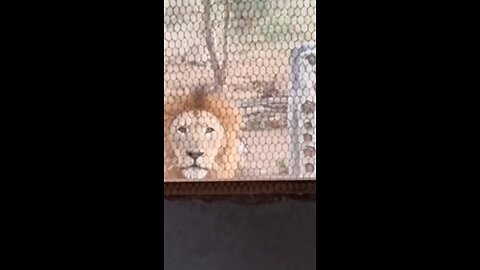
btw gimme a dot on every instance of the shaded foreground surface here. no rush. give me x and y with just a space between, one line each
225 235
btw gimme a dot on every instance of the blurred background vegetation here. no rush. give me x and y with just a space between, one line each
252 20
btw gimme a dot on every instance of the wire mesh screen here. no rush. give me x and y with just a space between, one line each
240 89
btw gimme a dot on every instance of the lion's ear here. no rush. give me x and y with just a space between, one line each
217 88
209 88
212 88
204 89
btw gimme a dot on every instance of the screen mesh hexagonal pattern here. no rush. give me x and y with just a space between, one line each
240 89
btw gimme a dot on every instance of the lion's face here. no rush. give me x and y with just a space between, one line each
196 137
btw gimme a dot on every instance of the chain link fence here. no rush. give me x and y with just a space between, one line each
255 61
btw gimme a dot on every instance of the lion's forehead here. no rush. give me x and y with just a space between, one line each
196 137
198 118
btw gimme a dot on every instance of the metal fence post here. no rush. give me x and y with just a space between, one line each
302 112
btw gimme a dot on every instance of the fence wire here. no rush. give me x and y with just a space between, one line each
240 84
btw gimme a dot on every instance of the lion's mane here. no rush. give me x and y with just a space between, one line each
229 156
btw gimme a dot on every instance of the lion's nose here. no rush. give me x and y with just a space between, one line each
194 154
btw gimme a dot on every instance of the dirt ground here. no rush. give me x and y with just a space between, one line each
268 153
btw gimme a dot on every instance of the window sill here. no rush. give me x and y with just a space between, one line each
249 191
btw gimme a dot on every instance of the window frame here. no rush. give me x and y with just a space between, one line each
243 191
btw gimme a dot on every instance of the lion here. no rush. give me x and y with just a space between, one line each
201 137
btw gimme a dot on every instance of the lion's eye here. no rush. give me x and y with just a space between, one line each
210 130
182 129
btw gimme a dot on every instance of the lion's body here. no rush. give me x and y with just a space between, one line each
204 126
